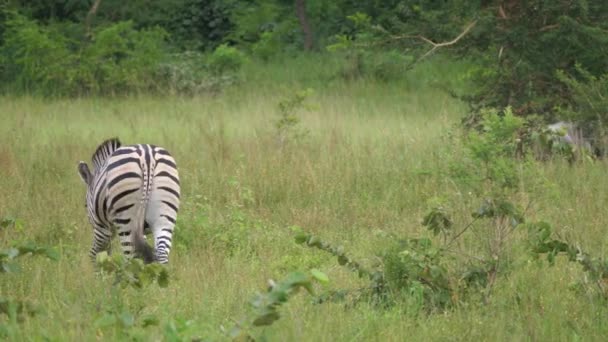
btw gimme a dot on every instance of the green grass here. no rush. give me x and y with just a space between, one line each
374 155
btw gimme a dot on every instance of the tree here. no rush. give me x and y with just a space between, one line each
304 24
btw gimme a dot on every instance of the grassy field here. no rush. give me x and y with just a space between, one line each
371 159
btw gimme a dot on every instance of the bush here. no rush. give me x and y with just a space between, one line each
521 49
46 60
33 59
225 59
122 59
590 105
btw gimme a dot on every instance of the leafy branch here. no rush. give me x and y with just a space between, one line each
8 255
13 308
132 272
434 45
541 242
265 306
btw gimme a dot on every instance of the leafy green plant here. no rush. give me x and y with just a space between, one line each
414 269
267 47
17 309
11 223
264 307
288 123
590 98
33 58
434 276
128 273
132 271
8 255
121 59
43 59
541 242
225 59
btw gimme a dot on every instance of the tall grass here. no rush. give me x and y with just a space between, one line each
374 155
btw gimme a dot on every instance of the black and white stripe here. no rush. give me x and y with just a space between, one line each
132 189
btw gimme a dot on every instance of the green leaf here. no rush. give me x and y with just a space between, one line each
163 278
106 320
301 238
551 257
267 318
52 254
150 320
314 241
319 276
102 257
126 319
10 267
7 222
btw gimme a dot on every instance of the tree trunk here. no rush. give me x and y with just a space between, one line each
303 18
89 18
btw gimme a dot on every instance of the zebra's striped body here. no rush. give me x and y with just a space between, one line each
132 188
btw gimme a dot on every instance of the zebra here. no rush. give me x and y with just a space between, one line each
132 190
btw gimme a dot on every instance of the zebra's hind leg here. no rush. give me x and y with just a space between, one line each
124 236
162 229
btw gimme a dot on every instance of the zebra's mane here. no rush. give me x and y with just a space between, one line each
104 150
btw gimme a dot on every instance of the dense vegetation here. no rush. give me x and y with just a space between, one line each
531 55
320 145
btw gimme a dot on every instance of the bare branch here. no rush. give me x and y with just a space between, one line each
434 45
452 42
548 27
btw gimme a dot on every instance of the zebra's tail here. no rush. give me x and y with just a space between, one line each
142 249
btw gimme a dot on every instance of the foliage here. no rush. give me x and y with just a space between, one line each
42 59
437 220
196 24
414 269
128 273
363 57
541 242
288 123
411 269
195 73
186 74
8 255
523 44
193 24
264 306
490 165
33 58
16 309
132 272
589 102
225 59
121 59
265 27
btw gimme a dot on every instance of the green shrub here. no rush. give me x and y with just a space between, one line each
48 60
414 271
590 105
34 59
225 59
121 59
267 47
